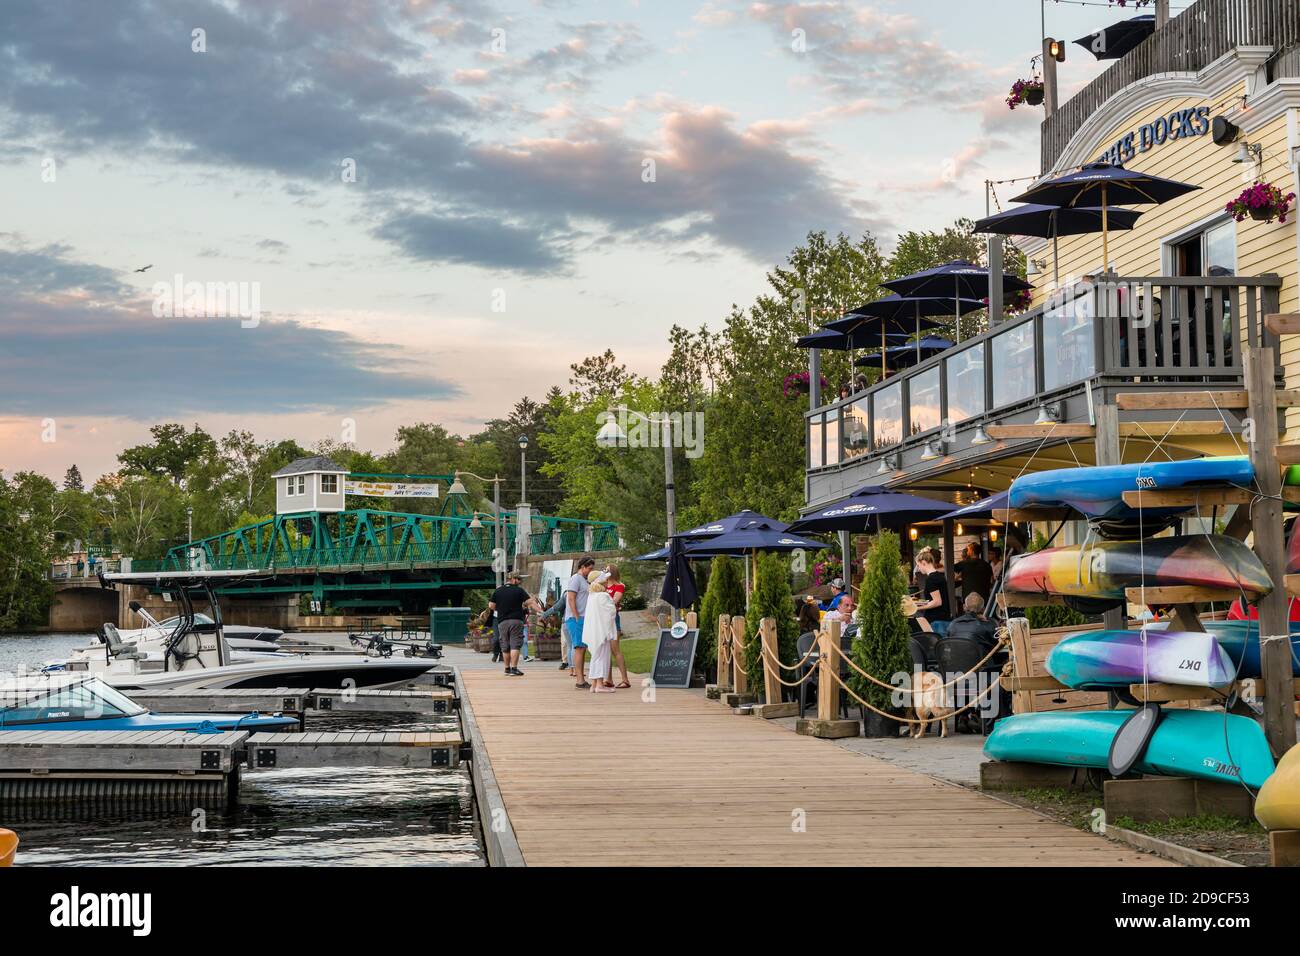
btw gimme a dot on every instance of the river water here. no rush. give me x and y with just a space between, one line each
376 817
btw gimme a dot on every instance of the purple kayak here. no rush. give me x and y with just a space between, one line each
1098 660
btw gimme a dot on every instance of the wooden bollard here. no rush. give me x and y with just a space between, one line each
772 706
723 685
828 723
739 682
692 620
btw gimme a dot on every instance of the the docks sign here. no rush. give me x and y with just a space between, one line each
1180 124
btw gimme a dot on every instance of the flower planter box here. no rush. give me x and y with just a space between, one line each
1034 96
548 648
482 643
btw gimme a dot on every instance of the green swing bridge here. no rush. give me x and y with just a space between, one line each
353 559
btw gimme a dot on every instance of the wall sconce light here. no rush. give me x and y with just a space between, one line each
993 534
1056 50
1249 152
959 530
911 533
887 464
981 437
933 449
1049 413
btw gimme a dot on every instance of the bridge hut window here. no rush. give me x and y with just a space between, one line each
329 484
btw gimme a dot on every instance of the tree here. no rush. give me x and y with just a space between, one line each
597 376
881 647
146 514
30 512
771 598
724 595
72 479
170 454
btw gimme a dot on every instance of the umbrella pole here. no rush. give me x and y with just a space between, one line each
916 306
956 306
882 350
1105 234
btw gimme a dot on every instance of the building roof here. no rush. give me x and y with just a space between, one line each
302 466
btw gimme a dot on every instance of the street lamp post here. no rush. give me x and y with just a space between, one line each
523 468
611 435
189 539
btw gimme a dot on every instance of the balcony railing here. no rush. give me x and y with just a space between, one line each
1117 330
1189 42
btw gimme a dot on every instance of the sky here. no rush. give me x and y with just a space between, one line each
378 213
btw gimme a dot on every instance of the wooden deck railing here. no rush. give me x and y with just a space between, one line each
1189 42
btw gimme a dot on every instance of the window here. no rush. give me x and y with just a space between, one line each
833 438
816 430
856 429
966 383
1069 353
329 484
1013 365
1208 250
889 416
290 486
302 484
923 400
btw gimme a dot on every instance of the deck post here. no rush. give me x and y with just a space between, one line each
739 682
772 705
1266 518
828 692
1107 450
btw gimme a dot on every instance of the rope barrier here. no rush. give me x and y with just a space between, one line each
907 720
1002 640
767 656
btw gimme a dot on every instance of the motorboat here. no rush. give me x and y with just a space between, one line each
63 701
195 655
240 637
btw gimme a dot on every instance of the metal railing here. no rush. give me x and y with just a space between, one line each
1145 330
1189 42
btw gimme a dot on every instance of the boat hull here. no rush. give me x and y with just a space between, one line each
151 721
1097 660
1102 572
332 673
1097 492
1187 743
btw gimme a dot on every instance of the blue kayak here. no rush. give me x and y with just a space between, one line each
191 723
1186 743
1097 492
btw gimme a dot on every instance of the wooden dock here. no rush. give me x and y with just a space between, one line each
609 780
298 700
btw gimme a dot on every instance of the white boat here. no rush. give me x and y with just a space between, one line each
195 655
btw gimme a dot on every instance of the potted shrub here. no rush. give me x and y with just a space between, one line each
725 594
1029 92
881 647
771 598
1263 202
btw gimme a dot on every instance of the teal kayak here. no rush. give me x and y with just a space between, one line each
1186 743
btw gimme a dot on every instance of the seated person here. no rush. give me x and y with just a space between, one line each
839 592
842 612
810 619
973 623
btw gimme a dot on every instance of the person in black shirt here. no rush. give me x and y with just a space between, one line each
973 623
511 604
932 605
974 573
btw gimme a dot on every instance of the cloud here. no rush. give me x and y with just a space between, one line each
73 338
859 52
291 91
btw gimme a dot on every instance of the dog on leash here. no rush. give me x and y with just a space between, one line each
930 702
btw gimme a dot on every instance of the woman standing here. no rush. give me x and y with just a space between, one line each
932 604
615 587
598 631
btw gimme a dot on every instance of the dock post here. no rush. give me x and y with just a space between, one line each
772 706
739 681
828 724
722 638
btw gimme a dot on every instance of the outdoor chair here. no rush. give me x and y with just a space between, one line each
802 646
960 655
118 647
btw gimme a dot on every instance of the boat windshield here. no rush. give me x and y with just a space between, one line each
48 701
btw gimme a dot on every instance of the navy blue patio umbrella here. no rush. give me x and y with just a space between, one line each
740 519
984 508
890 509
1100 184
679 586
905 356
842 342
758 538
1052 222
1112 42
957 281
894 310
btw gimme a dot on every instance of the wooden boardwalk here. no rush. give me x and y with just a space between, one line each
606 779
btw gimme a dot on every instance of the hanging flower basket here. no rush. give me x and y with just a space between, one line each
798 383
1028 91
1262 202
1016 302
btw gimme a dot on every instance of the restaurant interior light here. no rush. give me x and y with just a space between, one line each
993 534
981 437
959 530
911 533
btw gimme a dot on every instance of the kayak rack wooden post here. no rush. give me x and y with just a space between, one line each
739 695
828 724
722 638
772 705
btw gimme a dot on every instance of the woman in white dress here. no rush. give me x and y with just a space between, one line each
598 631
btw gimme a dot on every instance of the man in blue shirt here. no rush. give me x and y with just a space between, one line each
837 585
575 605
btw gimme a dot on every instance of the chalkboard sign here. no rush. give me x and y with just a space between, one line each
674 657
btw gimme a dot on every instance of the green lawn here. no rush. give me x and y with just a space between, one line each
639 654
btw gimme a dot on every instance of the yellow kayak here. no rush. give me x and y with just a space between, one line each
1277 806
